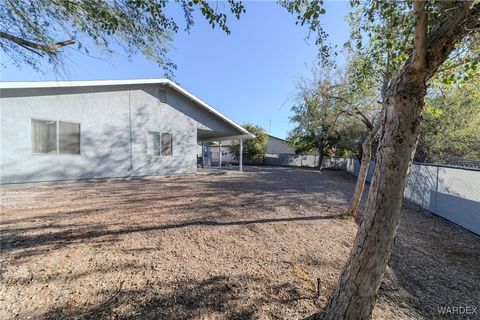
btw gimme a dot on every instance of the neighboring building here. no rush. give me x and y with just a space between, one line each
214 150
97 129
211 153
276 145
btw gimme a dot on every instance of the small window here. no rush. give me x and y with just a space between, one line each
162 96
166 144
44 136
69 138
153 143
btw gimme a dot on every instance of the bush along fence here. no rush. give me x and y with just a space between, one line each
449 192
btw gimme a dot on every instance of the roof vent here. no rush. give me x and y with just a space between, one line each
162 96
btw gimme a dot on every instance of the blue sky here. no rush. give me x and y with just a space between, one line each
249 75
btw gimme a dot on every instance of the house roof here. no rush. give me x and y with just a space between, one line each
94 83
277 138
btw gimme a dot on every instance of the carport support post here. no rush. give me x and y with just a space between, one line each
220 154
203 154
240 158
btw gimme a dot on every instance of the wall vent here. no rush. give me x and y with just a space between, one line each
162 96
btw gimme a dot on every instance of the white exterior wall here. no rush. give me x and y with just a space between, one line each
104 117
275 145
227 157
148 114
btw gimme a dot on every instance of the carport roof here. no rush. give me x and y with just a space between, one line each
94 83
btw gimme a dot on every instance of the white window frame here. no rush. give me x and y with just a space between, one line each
152 154
57 138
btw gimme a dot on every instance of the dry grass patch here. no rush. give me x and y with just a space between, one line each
240 246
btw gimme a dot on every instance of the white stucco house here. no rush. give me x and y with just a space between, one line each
69 130
279 146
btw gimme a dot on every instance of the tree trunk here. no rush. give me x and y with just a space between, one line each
360 153
356 291
364 164
321 154
355 294
362 176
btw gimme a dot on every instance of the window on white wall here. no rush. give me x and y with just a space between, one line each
55 137
166 144
153 143
159 144
69 138
44 136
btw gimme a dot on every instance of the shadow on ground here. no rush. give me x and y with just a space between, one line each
236 246
218 296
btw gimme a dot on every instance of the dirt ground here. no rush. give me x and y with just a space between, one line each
236 246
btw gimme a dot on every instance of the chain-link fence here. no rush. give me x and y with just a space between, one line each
455 162
303 160
448 191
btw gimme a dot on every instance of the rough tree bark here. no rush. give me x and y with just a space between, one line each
356 291
354 297
365 153
362 173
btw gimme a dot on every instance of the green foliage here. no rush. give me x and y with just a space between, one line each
316 115
451 123
254 150
351 135
308 13
381 43
137 26
463 65
334 111
382 35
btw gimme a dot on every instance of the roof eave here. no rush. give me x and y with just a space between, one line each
92 83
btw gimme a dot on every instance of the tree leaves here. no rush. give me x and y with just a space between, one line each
136 26
316 114
255 149
451 122
309 13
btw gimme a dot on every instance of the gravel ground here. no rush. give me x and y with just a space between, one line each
236 246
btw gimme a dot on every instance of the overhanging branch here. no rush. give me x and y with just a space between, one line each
452 28
37 48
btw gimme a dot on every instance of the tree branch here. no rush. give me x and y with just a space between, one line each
421 30
449 30
363 117
50 49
